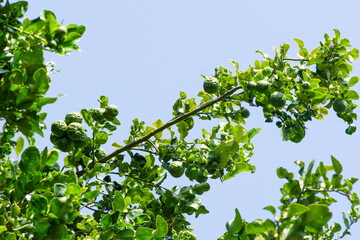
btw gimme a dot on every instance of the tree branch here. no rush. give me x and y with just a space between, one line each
162 128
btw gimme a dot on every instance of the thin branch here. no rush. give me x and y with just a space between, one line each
162 128
295 59
152 143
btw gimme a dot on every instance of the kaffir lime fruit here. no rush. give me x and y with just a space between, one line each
61 32
81 142
52 44
73 117
340 106
65 144
75 131
111 112
262 86
245 113
58 128
305 85
277 99
98 114
176 169
251 85
211 85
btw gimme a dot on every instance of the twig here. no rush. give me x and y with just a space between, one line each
160 129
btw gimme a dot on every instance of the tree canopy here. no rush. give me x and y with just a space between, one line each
124 190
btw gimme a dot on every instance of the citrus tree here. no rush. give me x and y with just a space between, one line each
123 192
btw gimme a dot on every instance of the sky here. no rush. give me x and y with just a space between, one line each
141 53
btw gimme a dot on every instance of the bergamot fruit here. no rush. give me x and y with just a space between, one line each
176 169
75 131
81 142
65 144
340 106
262 86
58 128
244 113
54 139
277 99
111 112
211 85
98 114
305 85
251 85
73 117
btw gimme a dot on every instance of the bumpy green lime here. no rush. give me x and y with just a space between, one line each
305 85
75 131
340 106
98 114
65 144
277 99
245 113
111 112
251 85
73 117
262 86
176 169
211 85
58 128
81 142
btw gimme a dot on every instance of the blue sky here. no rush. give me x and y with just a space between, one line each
142 53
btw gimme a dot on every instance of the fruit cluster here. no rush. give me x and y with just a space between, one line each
108 113
66 135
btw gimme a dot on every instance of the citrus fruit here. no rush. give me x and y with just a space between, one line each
277 99
98 114
245 113
75 131
176 169
211 85
305 85
251 85
340 106
73 117
262 86
58 128
111 112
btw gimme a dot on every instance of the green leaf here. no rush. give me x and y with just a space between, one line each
271 209
252 132
353 81
118 204
38 204
297 209
73 188
106 221
144 233
259 226
161 227
351 129
234 64
19 145
41 81
299 42
158 123
235 225
352 95
101 137
52 157
336 164
317 218
92 195
285 133
30 160
240 134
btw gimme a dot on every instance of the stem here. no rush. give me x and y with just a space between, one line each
162 128
295 59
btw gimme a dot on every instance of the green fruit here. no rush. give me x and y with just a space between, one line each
73 117
305 85
52 44
211 85
98 114
81 142
201 178
75 131
340 106
111 112
277 99
262 86
61 32
58 128
176 169
65 144
251 85
100 153
245 113
54 139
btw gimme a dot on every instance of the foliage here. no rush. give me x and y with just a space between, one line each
124 189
